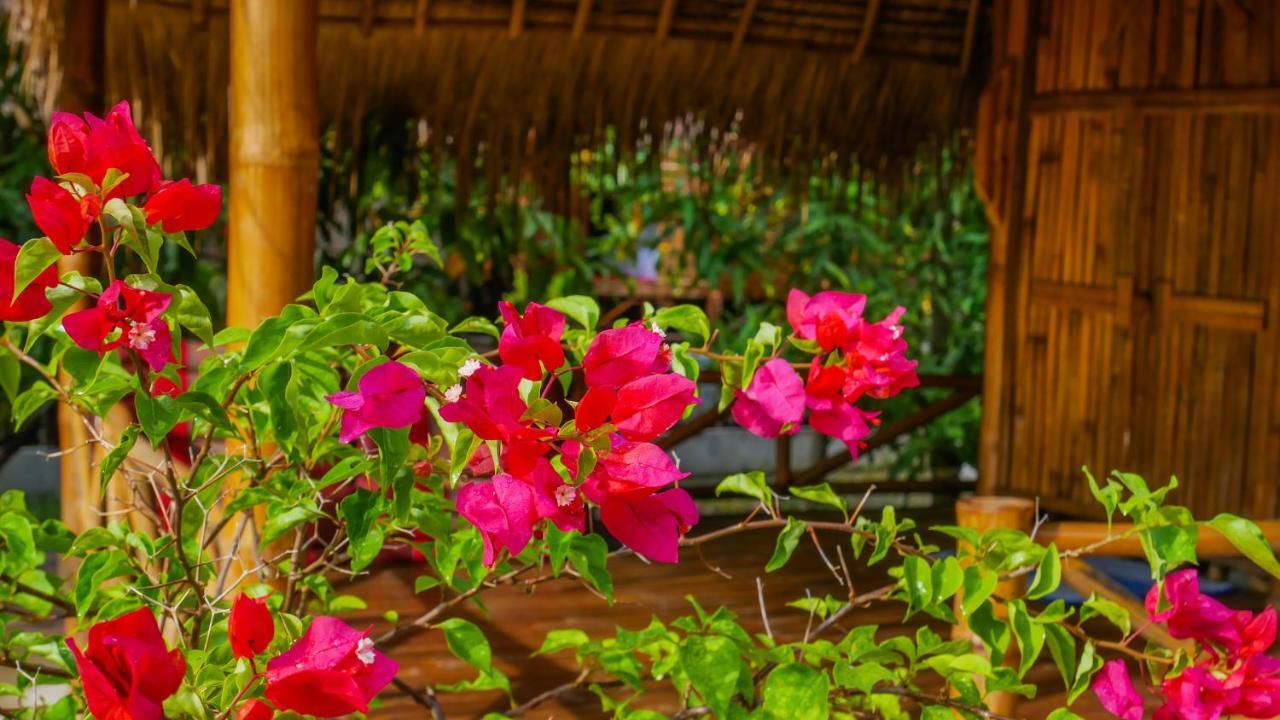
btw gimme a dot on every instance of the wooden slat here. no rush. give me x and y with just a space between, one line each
1208 101
1076 297
665 17
864 32
580 18
1076 535
970 33
744 24
517 18
420 16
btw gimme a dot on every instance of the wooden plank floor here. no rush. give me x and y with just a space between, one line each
516 622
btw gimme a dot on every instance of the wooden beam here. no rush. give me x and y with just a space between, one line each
420 16
744 24
970 34
275 156
1196 101
367 14
1076 535
665 18
517 18
864 33
1005 267
580 19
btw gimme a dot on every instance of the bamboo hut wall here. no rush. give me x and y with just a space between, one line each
1139 328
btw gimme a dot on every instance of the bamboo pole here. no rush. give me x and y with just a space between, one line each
275 156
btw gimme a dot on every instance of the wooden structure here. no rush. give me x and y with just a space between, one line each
1129 153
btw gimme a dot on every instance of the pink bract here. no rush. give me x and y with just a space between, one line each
389 396
531 341
333 670
773 403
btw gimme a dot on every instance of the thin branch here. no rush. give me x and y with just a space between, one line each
426 697
551 694
764 614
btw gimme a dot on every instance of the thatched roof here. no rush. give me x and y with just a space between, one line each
525 80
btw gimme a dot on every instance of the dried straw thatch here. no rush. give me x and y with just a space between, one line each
524 81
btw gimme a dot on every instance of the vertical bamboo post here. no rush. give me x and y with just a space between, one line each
82 55
983 513
275 165
275 156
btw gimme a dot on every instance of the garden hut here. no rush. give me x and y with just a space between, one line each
1127 154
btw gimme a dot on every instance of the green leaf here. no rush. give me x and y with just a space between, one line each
563 639
1048 574
1062 648
31 400
1112 611
786 544
712 664
796 692
191 313
344 329
264 342
476 326
10 374
918 581
588 554
112 461
685 318
33 258
360 512
1085 670
822 494
978 586
1248 539
581 308
468 643
157 415
751 484
1030 636
393 450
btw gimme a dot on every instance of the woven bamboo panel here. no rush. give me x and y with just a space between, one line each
1140 289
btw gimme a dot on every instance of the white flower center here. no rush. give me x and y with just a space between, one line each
141 336
364 651
653 325
469 368
565 495
453 393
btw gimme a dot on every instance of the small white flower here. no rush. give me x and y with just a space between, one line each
364 651
653 325
469 368
897 331
453 393
141 336
565 495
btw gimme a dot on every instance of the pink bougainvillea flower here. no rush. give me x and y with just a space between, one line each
594 409
846 423
554 499
333 670
1190 614
1255 687
1116 692
255 710
651 525
1194 694
647 407
125 316
830 318
182 207
618 356
503 510
631 470
773 404
491 406
1257 632
532 341
91 146
877 361
389 396
250 627
60 215
32 302
127 672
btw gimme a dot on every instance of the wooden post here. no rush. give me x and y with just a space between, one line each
983 513
82 55
275 156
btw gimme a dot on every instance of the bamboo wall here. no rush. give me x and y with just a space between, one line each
1130 156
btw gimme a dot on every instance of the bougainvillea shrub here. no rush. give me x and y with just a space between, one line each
358 424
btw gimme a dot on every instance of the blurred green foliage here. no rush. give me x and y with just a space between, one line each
920 242
22 155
